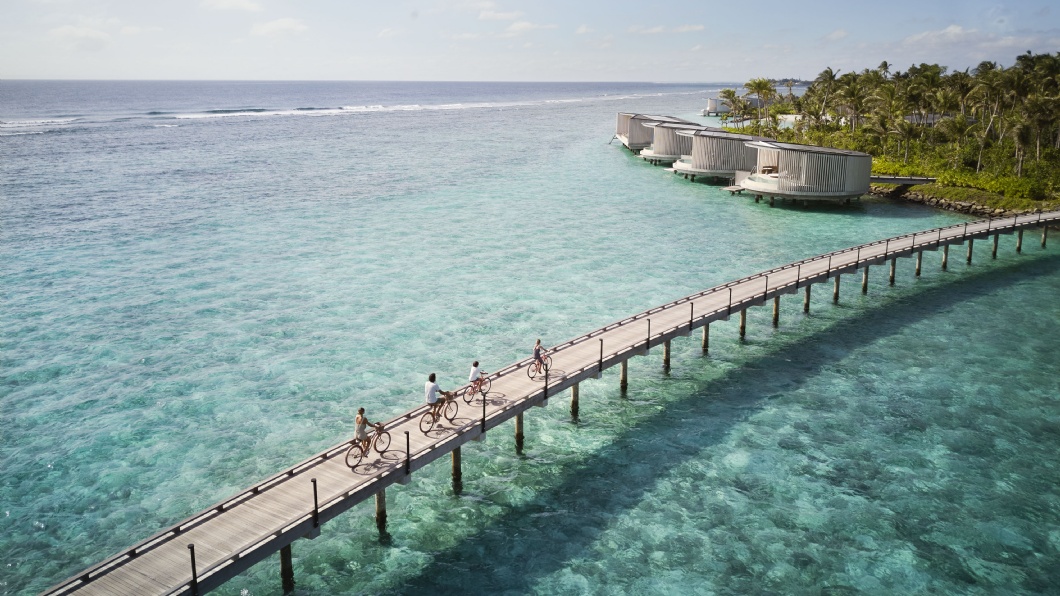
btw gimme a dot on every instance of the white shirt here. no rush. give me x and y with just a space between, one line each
431 391
475 374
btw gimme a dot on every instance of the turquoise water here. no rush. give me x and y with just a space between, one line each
198 298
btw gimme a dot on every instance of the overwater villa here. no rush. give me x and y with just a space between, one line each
791 171
668 142
633 133
716 153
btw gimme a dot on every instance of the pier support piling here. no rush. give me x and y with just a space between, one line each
380 509
835 290
776 311
286 570
771 199
971 242
743 323
865 280
1045 234
666 354
894 267
519 433
623 376
706 337
1019 241
806 301
919 262
574 401
945 256
993 253
457 473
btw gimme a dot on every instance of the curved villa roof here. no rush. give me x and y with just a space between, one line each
795 171
632 131
717 153
668 143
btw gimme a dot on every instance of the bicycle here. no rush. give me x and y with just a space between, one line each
483 389
547 364
380 441
429 418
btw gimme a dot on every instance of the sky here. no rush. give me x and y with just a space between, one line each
502 40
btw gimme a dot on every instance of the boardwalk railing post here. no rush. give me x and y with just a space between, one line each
765 294
939 241
728 313
316 504
887 247
483 414
408 448
828 273
857 259
600 371
194 572
798 275
691 315
647 343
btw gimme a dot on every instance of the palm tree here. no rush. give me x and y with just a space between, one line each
763 90
826 79
854 97
905 131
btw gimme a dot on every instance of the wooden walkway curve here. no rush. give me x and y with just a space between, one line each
238 532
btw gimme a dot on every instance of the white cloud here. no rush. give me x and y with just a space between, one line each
836 35
688 28
492 15
82 38
462 36
583 30
949 35
520 27
647 30
385 33
278 27
247 5
697 47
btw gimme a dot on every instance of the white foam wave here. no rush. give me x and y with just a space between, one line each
166 125
18 134
35 122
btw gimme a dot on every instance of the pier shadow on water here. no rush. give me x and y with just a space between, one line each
498 558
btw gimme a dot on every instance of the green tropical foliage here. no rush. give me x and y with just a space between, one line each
991 128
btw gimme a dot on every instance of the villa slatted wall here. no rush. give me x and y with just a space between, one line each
722 155
668 142
823 173
638 133
622 128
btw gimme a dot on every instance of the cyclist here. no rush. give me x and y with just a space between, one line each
431 391
539 356
361 434
476 376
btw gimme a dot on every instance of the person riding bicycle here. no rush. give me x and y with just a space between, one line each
361 433
431 391
539 356
476 376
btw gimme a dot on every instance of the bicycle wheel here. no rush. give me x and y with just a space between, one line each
354 455
468 394
548 363
426 422
381 442
530 372
484 387
450 410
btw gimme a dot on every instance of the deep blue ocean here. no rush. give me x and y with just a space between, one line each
200 283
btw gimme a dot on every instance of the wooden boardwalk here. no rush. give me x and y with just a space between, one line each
266 518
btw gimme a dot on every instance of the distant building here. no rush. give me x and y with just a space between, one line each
716 153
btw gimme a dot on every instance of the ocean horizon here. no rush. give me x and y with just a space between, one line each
203 280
